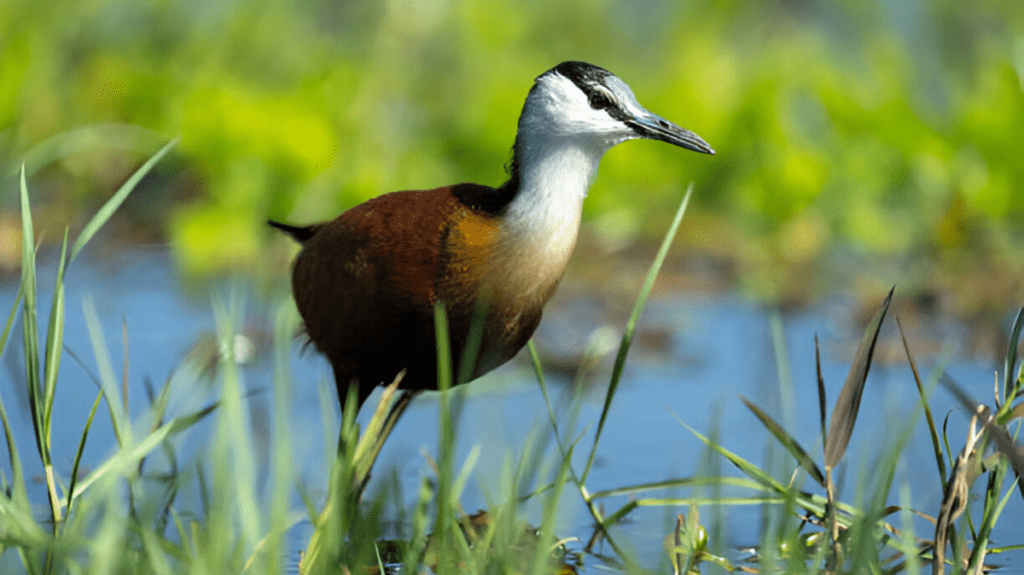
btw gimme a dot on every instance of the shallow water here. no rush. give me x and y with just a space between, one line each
695 356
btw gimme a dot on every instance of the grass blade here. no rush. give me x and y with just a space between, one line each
18 493
118 416
844 414
54 343
788 442
813 503
1011 357
128 137
232 446
78 454
126 460
754 472
29 327
677 483
445 520
115 201
21 530
634 317
822 401
936 446
1004 442
10 321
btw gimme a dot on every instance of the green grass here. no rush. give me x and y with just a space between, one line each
126 515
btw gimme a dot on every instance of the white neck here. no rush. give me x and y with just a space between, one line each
554 177
540 224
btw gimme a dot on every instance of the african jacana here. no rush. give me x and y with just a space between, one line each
366 282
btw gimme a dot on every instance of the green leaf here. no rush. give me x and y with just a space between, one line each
118 414
78 453
932 430
90 137
813 503
1011 357
844 414
126 460
19 495
10 321
30 329
787 440
634 317
751 470
115 201
54 342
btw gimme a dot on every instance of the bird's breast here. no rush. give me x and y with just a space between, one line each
511 274
512 268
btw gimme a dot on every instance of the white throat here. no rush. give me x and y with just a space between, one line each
554 177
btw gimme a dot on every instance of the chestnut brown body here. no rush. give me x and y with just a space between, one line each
367 282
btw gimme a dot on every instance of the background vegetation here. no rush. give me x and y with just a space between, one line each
849 134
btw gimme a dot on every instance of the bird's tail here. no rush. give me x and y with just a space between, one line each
301 234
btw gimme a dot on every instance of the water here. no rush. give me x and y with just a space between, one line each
695 357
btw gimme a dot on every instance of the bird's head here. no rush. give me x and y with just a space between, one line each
589 104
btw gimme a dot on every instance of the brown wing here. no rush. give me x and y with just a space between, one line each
364 285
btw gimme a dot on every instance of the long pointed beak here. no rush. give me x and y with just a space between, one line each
654 127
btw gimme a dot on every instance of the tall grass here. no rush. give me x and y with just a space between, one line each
125 517
121 517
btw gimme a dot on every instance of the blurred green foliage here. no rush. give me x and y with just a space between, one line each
887 126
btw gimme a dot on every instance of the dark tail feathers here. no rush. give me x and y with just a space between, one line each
300 233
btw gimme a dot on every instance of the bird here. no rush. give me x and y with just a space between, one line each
367 282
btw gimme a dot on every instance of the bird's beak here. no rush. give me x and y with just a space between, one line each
655 127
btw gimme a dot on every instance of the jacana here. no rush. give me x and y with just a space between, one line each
366 283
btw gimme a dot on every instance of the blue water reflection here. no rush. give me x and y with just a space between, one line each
711 351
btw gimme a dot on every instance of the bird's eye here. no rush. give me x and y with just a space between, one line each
600 101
